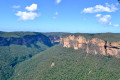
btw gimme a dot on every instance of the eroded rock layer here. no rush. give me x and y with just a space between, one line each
94 45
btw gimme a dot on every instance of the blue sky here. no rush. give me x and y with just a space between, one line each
83 16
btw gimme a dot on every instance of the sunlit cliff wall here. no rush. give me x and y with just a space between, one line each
94 45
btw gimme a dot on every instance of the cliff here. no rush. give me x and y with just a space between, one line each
54 39
94 45
25 40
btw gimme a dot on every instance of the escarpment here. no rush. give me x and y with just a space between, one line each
94 45
26 40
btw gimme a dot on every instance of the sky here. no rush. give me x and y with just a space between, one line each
75 16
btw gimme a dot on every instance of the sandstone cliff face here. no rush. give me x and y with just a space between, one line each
94 45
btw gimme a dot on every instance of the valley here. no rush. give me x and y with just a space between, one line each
59 40
61 56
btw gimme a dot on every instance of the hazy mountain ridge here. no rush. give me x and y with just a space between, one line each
25 40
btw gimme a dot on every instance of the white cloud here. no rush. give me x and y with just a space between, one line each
98 15
100 8
26 15
16 6
58 1
32 7
105 19
30 15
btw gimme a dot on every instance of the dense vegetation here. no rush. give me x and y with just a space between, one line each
19 58
14 51
13 54
68 65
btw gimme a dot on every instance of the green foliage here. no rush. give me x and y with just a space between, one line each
14 54
5 60
22 62
70 64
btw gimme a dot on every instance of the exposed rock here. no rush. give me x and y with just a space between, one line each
94 46
114 44
53 64
98 46
54 39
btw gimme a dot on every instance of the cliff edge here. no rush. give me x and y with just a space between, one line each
94 45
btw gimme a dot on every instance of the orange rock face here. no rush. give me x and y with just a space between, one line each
101 45
95 45
115 44
114 49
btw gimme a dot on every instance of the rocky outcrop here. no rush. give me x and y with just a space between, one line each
94 45
54 39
